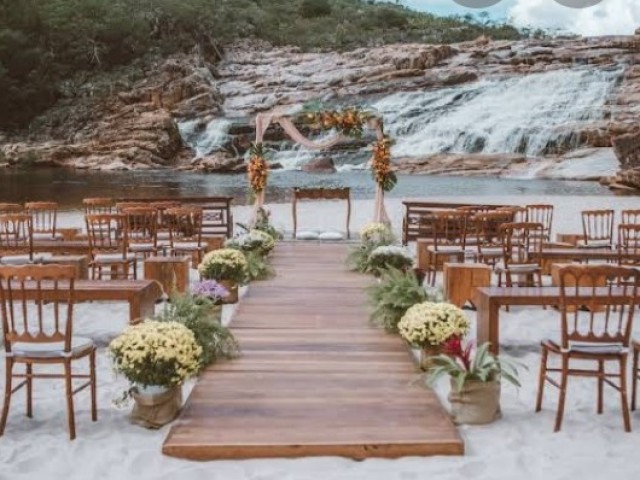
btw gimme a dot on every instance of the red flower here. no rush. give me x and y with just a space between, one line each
454 348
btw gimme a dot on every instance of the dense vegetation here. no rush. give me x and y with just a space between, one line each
44 43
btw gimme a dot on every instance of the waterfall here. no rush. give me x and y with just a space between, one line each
505 115
207 140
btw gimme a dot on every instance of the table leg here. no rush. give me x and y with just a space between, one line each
488 323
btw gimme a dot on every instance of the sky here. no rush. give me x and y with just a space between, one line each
608 17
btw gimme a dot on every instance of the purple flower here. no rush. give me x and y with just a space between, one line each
209 288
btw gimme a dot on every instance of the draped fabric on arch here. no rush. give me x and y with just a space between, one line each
263 120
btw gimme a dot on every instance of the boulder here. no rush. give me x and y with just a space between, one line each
627 149
320 165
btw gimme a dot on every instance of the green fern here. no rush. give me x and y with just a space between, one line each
258 267
201 316
392 297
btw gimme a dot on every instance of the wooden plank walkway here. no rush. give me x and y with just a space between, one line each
314 378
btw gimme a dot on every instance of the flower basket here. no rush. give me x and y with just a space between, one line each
427 354
477 403
156 406
232 288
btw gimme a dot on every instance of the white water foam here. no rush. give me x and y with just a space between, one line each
210 139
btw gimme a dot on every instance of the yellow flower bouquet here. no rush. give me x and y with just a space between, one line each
156 353
224 264
432 324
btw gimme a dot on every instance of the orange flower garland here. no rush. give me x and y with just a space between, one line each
258 169
381 164
349 122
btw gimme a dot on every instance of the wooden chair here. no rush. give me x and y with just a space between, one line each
635 374
521 247
629 245
185 232
489 241
597 229
543 214
142 230
449 240
163 221
33 338
44 215
10 208
630 217
601 334
108 245
16 240
98 205
519 213
122 206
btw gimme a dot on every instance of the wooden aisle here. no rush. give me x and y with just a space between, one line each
314 378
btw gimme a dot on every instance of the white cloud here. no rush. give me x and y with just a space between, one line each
610 17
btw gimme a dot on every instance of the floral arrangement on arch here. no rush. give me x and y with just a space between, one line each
156 353
431 324
224 264
258 168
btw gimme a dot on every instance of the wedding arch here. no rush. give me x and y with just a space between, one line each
349 122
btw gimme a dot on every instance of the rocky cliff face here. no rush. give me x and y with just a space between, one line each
136 128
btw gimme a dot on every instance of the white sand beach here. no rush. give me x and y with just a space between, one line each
520 445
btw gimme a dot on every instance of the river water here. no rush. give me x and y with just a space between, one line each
69 187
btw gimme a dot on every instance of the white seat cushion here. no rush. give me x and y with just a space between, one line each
518 268
446 249
491 251
307 235
595 244
597 348
142 247
21 259
330 236
50 349
187 246
113 257
47 236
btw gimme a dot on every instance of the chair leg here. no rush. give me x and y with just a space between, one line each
623 394
69 393
92 379
600 386
7 394
542 378
135 270
563 393
634 386
29 373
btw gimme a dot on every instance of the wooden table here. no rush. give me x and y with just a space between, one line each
579 254
80 262
488 301
320 194
141 294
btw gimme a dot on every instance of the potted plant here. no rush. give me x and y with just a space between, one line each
389 256
372 235
253 241
156 357
227 266
475 381
428 326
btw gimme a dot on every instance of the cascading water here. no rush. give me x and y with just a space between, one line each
509 115
526 114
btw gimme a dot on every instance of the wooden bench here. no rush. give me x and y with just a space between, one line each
488 301
62 247
461 280
80 262
171 272
140 294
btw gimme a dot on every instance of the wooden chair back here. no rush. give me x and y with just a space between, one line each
10 208
629 244
122 206
597 227
522 243
162 207
487 227
106 233
519 213
185 224
450 229
141 225
97 205
16 234
609 317
630 217
541 213
24 320
44 215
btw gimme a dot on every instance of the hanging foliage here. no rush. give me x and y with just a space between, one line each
258 168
